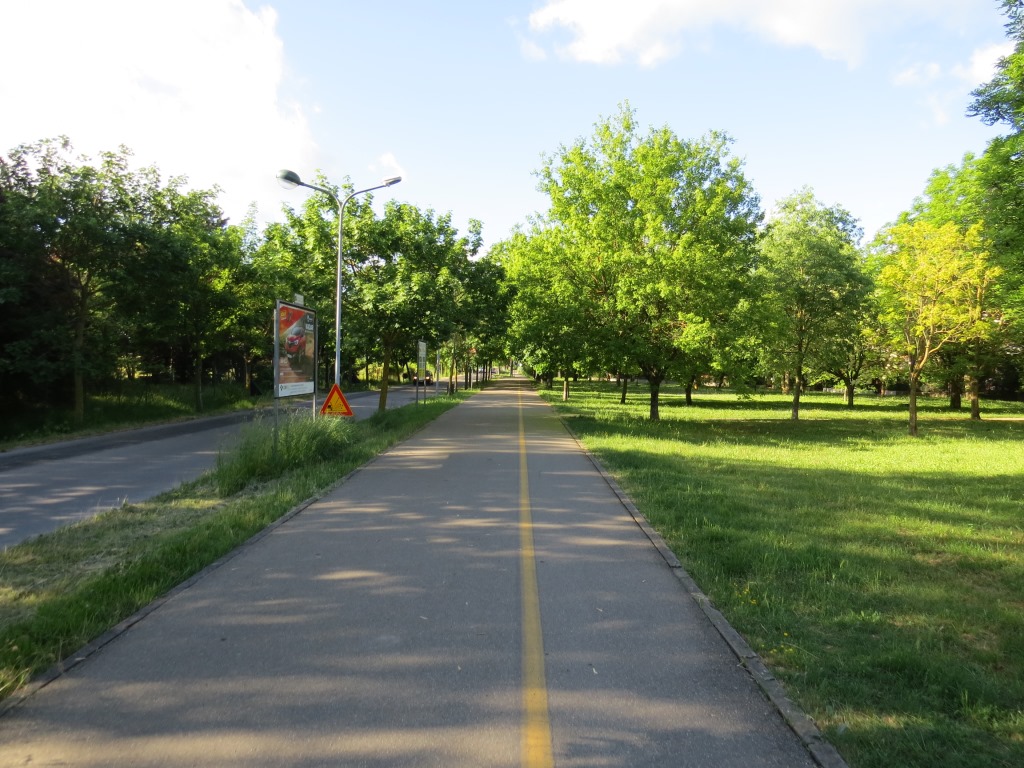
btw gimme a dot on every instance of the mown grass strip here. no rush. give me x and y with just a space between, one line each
61 590
879 576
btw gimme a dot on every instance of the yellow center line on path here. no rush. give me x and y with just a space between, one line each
536 746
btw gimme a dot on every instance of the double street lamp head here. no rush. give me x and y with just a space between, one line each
291 180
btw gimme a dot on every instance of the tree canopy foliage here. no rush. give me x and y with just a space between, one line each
811 288
109 274
1001 168
652 260
106 269
932 289
644 250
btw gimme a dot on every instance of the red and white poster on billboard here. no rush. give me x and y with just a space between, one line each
294 350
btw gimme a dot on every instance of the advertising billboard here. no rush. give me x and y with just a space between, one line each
294 350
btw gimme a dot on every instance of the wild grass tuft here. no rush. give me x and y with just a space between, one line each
269 447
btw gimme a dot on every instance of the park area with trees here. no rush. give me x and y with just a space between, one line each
655 262
785 402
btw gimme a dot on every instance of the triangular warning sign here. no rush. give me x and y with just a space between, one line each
335 404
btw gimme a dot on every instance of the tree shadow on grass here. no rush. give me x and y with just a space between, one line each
897 592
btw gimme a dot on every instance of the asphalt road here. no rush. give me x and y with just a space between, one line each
477 596
45 487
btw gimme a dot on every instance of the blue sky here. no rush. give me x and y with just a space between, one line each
858 99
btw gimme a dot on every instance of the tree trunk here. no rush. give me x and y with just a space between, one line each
956 394
565 389
625 384
77 363
849 392
689 391
655 394
798 387
382 402
197 371
197 380
79 383
912 421
974 389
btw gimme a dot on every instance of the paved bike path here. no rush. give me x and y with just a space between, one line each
384 626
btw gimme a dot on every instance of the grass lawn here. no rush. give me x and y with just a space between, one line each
880 576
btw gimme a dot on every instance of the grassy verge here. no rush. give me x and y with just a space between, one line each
879 576
59 591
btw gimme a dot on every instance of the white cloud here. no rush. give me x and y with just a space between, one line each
982 65
191 86
604 30
836 29
945 88
531 51
652 31
939 105
387 165
918 74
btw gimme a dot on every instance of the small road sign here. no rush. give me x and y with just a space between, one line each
335 404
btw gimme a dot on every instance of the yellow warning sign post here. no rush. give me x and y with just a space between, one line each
336 404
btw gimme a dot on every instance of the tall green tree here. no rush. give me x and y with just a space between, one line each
255 291
661 234
554 325
849 358
71 227
484 301
1001 168
932 289
130 271
955 195
178 288
405 272
812 286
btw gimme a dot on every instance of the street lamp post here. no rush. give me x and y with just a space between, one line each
290 179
